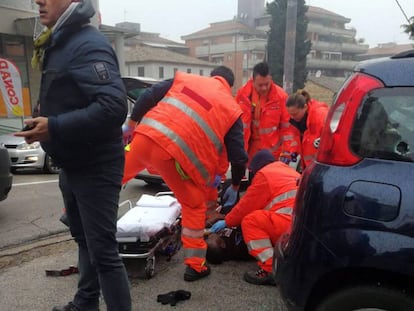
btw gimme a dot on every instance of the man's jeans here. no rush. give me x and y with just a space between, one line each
91 197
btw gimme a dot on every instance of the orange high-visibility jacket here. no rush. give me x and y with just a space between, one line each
190 123
317 112
273 188
276 133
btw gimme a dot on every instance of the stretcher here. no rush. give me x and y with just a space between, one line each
151 227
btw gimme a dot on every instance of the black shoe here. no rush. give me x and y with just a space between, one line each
71 307
64 219
259 277
191 275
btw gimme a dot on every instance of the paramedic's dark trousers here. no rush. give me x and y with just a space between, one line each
91 197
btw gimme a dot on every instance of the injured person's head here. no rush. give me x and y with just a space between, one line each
226 245
215 248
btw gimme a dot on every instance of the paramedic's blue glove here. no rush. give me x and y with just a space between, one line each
127 132
230 196
219 225
216 182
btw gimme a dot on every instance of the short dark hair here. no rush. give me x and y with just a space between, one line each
224 72
261 69
215 254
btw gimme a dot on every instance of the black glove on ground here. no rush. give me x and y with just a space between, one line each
173 297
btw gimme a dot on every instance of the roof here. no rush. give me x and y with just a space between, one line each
144 53
388 49
317 11
153 38
111 31
330 83
225 27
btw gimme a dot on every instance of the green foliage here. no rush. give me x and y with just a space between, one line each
409 28
276 42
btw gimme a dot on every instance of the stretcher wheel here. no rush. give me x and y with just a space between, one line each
150 267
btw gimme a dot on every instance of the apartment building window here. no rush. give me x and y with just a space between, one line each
141 71
201 72
188 70
229 57
335 56
161 72
217 59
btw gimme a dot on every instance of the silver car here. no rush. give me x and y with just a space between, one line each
24 155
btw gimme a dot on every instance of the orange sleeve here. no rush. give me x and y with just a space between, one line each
256 197
289 134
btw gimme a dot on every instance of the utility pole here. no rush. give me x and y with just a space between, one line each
290 44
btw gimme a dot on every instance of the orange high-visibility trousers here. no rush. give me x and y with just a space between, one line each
261 229
144 153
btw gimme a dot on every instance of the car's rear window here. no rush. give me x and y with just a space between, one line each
384 125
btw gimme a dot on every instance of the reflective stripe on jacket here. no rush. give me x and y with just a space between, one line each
317 112
273 188
190 122
276 133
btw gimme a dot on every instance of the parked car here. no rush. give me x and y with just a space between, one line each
24 155
351 246
135 86
6 178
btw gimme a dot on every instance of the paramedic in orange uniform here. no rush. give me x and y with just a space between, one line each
188 136
264 212
307 116
265 118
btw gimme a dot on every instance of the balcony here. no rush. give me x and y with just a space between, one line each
239 46
350 48
325 31
313 63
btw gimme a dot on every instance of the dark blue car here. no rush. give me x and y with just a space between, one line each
352 241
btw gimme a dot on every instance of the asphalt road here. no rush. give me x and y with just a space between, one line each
32 240
34 205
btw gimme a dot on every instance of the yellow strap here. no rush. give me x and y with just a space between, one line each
181 171
128 147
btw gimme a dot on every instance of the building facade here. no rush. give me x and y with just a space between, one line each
160 63
242 42
334 47
232 44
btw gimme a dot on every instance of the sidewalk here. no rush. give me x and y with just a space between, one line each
24 285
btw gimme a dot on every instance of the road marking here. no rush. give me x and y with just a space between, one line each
35 183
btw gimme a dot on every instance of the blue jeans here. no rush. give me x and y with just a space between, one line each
91 198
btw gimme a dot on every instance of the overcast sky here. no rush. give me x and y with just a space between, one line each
377 21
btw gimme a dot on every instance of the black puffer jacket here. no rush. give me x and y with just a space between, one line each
82 94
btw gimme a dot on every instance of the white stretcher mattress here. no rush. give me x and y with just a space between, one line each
150 215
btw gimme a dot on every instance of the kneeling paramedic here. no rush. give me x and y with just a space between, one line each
264 212
190 131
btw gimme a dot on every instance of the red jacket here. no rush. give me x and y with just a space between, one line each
317 112
273 187
276 133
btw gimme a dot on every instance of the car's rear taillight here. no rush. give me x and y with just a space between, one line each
334 145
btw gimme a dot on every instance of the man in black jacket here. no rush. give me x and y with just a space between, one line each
82 108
